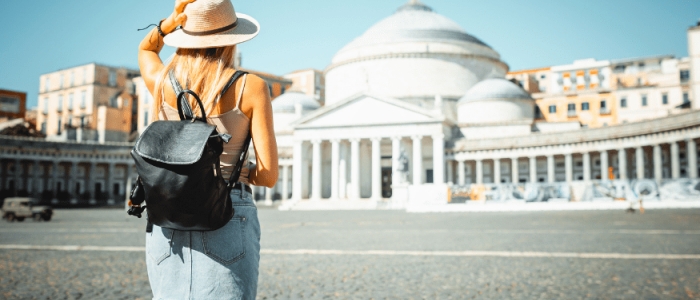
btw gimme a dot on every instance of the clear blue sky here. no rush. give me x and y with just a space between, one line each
43 36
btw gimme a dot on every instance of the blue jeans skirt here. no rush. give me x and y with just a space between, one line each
219 264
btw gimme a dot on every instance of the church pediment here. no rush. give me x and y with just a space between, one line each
367 110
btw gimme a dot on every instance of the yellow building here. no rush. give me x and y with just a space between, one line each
602 93
87 103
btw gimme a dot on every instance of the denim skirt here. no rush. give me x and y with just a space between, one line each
219 264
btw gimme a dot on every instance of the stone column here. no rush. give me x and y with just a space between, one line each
110 181
268 196
622 163
297 170
285 183
692 154
355 168
639 161
395 154
479 171
316 171
586 166
497 170
514 172
35 179
550 169
335 162
74 180
377 168
533 169
461 180
54 173
417 160
658 175
569 165
675 164
18 170
91 182
604 165
450 172
439 158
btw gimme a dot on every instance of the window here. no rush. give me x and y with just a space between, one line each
641 65
60 82
623 102
82 99
686 98
70 101
572 107
571 110
82 121
70 122
145 119
112 77
43 128
644 100
72 78
584 106
603 104
47 83
552 109
59 126
538 113
45 105
9 104
685 75
60 103
664 98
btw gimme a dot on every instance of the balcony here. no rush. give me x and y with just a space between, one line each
604 111
571 114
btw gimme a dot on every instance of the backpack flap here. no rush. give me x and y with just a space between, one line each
173 142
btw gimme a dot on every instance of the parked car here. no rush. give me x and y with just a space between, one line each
21 208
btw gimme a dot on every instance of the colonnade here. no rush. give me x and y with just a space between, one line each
355 172
649 163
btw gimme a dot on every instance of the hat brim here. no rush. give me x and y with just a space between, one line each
246 29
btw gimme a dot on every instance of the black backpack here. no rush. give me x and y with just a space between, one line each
179 169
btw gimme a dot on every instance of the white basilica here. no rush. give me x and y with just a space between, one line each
417 101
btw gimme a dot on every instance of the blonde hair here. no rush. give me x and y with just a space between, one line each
204 71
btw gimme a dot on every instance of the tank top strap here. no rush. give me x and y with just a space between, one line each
240 94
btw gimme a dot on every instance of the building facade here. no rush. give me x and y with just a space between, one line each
12 105
65 173
407 111
87 103
610 92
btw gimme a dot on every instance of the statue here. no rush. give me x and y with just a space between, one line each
402 168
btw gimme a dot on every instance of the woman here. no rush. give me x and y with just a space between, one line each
220 264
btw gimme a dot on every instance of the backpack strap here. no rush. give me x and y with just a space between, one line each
246 143
184 108
239 165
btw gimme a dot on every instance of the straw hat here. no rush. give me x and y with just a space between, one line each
213 23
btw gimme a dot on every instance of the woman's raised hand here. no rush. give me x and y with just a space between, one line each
177 18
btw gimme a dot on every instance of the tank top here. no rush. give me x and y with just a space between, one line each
233 122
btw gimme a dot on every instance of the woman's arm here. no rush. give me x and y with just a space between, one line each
149 61
257 105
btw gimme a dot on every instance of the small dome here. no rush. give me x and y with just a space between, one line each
495 88
288 101
496 101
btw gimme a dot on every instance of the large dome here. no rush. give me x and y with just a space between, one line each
286 103
496 100
415 53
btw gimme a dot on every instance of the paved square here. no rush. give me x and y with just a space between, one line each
383 255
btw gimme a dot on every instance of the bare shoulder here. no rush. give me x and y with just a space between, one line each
256 93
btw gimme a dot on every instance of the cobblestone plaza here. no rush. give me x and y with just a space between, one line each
99 254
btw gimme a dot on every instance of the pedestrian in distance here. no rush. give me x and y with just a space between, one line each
221 263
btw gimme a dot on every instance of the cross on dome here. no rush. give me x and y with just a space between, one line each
415 5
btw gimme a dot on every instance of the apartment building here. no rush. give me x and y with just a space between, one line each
310 82
90 102
12 105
